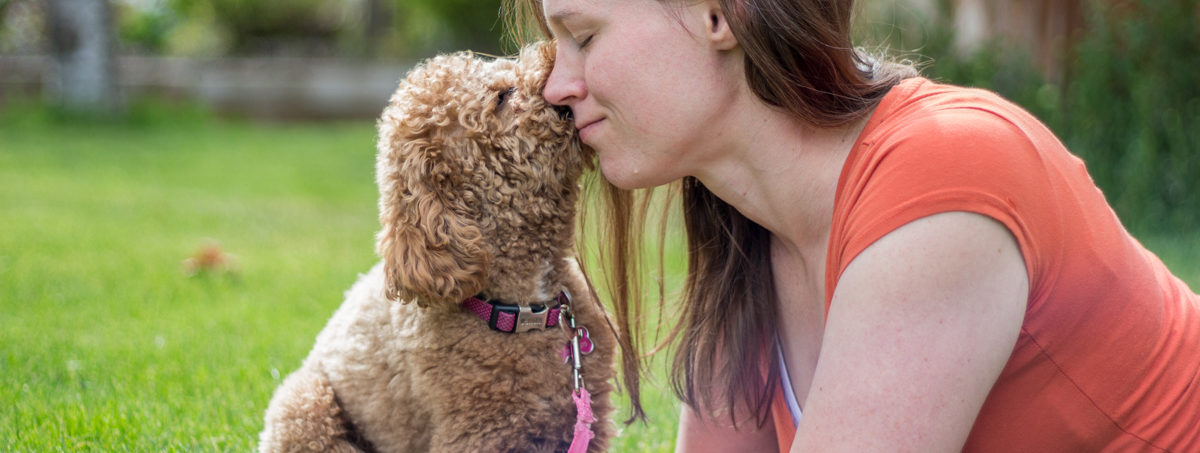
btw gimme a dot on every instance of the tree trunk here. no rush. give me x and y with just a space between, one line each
377 18
83 76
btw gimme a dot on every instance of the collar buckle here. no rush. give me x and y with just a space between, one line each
515 318
528 319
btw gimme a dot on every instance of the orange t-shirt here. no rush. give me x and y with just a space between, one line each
1108 357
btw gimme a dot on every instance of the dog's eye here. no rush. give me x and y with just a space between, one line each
503 96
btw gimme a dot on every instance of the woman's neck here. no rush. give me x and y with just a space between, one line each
780 172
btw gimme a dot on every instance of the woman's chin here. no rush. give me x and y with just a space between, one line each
629 169
626 178
615 174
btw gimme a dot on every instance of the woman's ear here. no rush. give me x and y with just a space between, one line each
716 27
431 254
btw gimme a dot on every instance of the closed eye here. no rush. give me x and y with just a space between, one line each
503 96
586 41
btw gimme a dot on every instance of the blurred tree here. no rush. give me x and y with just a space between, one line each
363 28
83 77
376 18
426 27
142 27
275 26
21 27
1132 109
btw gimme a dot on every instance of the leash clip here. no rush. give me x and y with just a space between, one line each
577 364
580 344
572 351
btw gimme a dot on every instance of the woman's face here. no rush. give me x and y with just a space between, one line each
647 88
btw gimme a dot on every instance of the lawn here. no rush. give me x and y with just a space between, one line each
106 344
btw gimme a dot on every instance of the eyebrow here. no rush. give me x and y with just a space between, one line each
561 15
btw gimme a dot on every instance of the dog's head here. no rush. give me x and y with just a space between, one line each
478 177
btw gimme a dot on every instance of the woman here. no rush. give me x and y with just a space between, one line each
876 262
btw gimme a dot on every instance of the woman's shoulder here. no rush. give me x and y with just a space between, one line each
924 92
922 106
921 119
934 148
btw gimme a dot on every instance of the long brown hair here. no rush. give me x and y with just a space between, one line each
799 57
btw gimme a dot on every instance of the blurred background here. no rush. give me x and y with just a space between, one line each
264 58
1116 79
187 188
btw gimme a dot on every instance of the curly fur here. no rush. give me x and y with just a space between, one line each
478 178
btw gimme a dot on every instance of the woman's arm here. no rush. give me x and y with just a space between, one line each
703 435
921 324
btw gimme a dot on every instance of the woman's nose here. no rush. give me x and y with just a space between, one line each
564 86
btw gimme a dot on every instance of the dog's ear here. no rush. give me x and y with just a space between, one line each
431 253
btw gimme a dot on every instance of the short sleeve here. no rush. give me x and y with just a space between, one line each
954 159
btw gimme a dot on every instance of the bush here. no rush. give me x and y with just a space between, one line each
431 26
1132 110
370 28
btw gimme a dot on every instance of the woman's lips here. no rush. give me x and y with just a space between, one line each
588 129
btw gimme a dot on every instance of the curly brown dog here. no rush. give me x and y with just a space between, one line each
479 179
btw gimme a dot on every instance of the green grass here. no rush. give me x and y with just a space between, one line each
106 344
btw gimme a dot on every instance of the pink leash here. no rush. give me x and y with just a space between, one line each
580 344
583 421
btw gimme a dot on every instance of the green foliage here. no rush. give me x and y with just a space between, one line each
432 26
1132 110
258 26
387 28
144 30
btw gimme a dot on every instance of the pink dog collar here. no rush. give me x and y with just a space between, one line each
515 318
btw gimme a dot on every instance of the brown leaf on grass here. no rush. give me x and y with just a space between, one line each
210 258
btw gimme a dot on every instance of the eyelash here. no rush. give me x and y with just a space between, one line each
586 41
